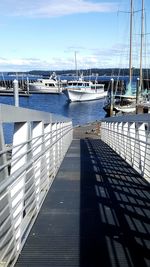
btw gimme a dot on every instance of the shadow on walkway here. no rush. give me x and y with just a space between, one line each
114 210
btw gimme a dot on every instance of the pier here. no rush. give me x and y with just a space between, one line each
8 84
90 206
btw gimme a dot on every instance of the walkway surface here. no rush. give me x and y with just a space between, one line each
96 213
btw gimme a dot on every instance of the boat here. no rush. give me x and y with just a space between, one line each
125 109
127 102
86 92
51 85
120 99
79 90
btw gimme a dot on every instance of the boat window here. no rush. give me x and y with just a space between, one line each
97 87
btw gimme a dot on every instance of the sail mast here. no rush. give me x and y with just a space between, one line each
130 56
76 69
141 48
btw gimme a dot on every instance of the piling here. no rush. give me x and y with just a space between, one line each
111 97
16 93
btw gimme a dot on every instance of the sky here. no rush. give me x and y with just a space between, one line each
47 34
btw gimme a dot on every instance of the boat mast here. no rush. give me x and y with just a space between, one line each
75 55
130 56
141 49
140 80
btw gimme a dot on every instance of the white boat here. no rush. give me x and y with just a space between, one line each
85 92
51 85
125 109
80 90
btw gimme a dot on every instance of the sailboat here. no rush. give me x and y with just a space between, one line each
127 102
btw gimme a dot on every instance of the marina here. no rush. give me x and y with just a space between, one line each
75 140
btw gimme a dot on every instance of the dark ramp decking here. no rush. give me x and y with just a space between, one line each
96 214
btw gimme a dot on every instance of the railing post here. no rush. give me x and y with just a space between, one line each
17 189
132 140
3 157
47 156
20 138
120 143
147 154
37 132
54 127
139 148
30 198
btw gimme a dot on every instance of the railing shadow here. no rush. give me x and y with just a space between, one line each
114 210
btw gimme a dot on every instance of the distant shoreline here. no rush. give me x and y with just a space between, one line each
99 71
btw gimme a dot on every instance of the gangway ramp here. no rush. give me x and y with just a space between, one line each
96 213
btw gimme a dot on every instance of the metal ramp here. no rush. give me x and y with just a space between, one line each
96 214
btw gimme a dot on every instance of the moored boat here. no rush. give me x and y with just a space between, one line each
86 92
51 85
81 90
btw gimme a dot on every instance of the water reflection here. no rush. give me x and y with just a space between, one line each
84 112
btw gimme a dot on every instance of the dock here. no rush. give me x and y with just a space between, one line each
96 212
11 93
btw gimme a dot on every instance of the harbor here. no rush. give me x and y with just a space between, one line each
75 133
6 81
94 210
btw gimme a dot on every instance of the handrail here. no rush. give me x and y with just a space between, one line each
129 136
129 118
10 113
27 170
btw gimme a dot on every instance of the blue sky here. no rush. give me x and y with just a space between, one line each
45 34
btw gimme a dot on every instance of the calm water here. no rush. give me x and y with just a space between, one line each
80 113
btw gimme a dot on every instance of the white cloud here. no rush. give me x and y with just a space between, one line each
54 8
97 59
114 56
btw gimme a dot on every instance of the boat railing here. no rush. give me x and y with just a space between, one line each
28 166
129 136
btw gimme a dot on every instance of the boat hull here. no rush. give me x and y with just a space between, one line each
79 96
42 89
125 109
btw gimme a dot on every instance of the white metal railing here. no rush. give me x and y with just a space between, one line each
129 136
28 167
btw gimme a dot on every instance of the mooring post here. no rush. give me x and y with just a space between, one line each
27 85
16 93
111 97
138 89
